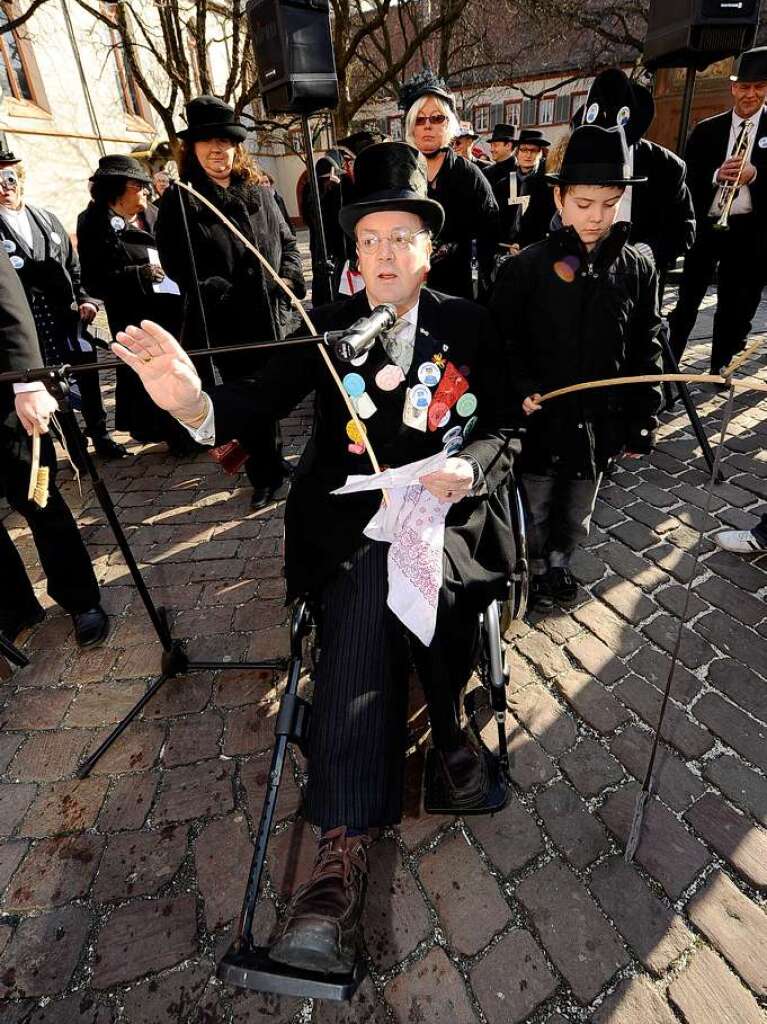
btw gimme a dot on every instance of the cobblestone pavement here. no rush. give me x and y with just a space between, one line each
118 893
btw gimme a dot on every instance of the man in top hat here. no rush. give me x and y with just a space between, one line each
580 305
43 256
661 213
502 151
435 384
736 257
530 200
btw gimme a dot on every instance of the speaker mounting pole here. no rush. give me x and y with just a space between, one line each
311 170
684 117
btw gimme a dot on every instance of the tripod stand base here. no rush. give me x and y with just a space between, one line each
436 799
254 970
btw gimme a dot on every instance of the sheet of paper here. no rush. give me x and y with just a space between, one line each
393 479
167 286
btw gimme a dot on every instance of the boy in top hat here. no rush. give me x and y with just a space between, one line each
581 305
434 384
737 257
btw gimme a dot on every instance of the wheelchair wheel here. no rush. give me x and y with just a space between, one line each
515 605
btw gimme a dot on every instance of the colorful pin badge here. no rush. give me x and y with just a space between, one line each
356 449
354 433
439 414
365 406
420 396
389 377
117 223
413 415
466 404
452 434
9 246
469 428
17 262
451 387
592 113
763 142
429 374
439 360
354 384
624 116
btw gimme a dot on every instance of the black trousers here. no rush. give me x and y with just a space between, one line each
89 384
63 556
263 439
736 259
360 705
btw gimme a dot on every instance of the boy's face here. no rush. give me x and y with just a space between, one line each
590 209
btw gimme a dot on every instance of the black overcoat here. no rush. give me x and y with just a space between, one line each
322 531
569 316
242 302
471 213
662 214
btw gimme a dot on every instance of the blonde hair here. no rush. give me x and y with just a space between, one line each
453 124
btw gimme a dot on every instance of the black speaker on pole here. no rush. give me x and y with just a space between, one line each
294 54
696 33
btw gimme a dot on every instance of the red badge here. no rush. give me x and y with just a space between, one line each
437 412
449 390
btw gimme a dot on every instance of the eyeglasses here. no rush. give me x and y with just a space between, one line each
423 119
528 150
137 186
400 239
8 179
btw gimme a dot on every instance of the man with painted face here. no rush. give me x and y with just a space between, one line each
46 262
434 384
735 257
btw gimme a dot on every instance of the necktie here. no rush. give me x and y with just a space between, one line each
399 343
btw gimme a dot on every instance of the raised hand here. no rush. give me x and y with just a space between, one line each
166 371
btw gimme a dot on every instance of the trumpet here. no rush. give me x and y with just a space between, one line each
725 197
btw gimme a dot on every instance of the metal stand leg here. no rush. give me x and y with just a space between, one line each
11 653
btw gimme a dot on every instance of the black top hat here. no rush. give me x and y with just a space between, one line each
7 157
503 133
751 66
532 137
595 156
614 99
326 167
118 165
208 117
360 140
425 83
391 176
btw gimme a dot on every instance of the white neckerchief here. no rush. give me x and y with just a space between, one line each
624 206
19 222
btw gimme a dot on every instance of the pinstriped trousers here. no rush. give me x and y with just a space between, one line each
359 710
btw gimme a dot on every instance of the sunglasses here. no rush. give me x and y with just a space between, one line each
423 119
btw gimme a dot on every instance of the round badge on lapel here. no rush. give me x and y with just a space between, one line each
389 377
353 433
469 428
56 237
9 245
466 404
117 223
429 374
360 359
592 113
17 262
452 434
624 116
420 397
354 384
365 406
356 449
763 142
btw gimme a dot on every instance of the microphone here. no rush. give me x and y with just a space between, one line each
360 336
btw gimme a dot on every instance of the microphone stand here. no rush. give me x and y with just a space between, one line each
11 653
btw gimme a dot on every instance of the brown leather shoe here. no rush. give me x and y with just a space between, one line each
321 928
465 774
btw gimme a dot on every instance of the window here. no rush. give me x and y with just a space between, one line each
481 118
529 113
577 100
14 74
546 110
132 97
562 108
395 129
513 112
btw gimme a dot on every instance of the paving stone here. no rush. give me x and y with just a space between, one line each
735 926
511 838
233 689
570 824
558 625
729 723
417 830
732 600
585 567
596 658
655 496
528 765
735 837
254 775
55 872
629 565
44 952
43 670
248 1007
654 666
673 600
605 515
609 628
67 806
103 703
737 570
592 701
660 522
36 708
47 756
667 850
465 895
741 685
9 744
734 639
128 802
290 857
677 729
707 991
512 979
193 739
148 935
635 1001
140 863
137 749
740 784
546 656
396 918
250 728
14 803
673 781
693 651
11 854
195 791
590 767
89 666
170 998
582 944
184 695
635 535
655 933
430 991
78 1008
616 495
625 598
365 1007
544 717
222 854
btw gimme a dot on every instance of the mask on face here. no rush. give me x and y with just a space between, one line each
8 178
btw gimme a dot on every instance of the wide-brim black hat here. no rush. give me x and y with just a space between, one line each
360 140
614 99
425 83
503 133
391 176
751 66
7 157
595 156
208 117
532 137
118 165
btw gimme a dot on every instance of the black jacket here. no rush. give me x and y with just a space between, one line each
707 149
471 212
534 224
242 302
569 316
322 531
662 214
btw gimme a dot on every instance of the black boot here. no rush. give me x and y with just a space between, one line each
91 627
107 448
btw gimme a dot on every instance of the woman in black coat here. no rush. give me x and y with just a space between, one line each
241 302
119 263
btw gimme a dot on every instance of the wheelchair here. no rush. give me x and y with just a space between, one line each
248 966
